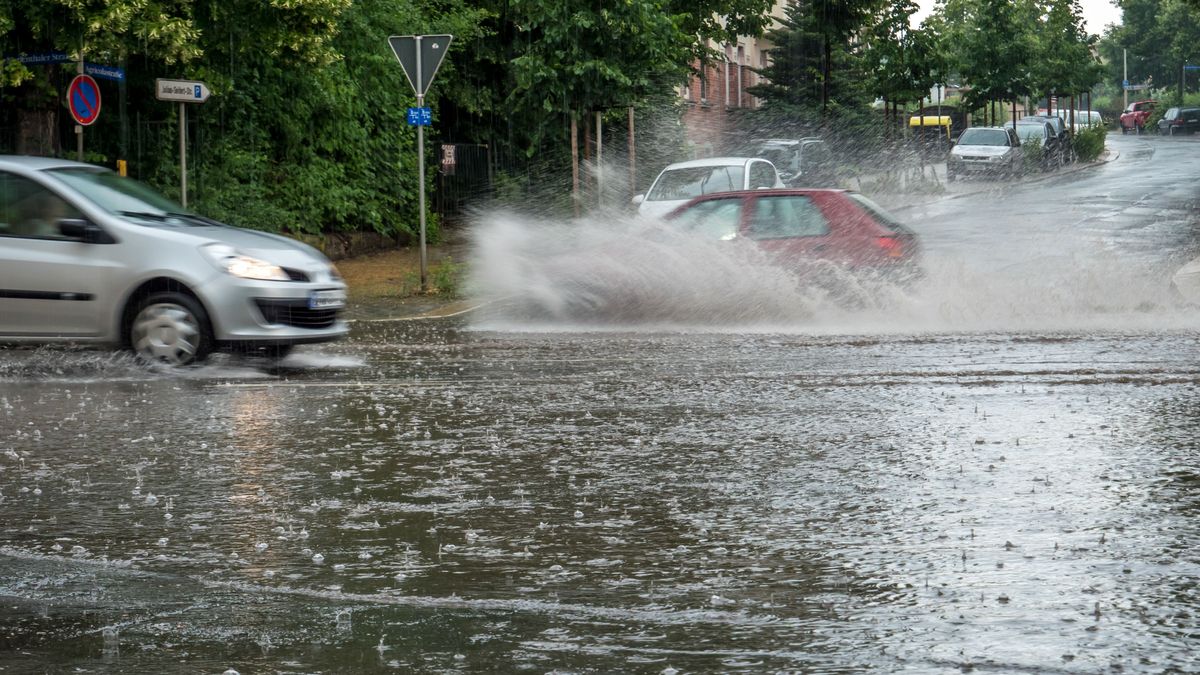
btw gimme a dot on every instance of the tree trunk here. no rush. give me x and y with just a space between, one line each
37 117
827 69
575 163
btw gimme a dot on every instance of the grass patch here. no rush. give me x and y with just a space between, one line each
396 275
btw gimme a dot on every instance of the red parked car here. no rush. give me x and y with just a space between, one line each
805 224
1135 116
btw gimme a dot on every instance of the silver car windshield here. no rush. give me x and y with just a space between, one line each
983 137
695 181
127 197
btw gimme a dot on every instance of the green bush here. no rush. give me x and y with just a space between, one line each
1034 154
1089 143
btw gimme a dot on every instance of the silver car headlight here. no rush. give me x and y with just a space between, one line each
227 259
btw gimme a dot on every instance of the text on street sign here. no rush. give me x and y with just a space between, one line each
184 91
420 117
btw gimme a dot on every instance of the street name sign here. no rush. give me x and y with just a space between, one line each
83 99
420 56
183 91
104 72
43 58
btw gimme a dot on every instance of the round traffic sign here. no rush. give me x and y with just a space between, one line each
83 99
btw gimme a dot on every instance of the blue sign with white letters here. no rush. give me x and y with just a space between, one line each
420 117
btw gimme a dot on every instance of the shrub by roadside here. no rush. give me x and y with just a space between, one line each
1088 143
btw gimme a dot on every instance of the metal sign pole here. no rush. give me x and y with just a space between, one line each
421 165
79 127
183 154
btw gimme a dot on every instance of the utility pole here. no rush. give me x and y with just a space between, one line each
1124 79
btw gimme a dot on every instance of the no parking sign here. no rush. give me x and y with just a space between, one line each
83 99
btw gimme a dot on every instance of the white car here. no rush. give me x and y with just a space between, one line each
89 257
679 183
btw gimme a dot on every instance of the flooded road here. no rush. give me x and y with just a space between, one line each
981 475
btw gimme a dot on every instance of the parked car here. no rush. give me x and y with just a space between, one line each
87 256
682 181
796 225
1179 121
802 162
1061 131
986 150
1042 132
1135 116
1080 119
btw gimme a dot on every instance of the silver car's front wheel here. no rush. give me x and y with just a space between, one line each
170 328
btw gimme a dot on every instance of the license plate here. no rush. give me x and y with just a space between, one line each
334 299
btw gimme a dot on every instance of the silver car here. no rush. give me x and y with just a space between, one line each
994 150
87 256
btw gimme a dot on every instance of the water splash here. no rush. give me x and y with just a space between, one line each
619 273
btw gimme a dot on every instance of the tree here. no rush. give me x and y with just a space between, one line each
816 70
903 60
997 69
1156 38
164 33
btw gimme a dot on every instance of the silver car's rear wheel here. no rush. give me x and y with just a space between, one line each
170 328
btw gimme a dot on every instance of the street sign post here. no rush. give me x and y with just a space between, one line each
419 57
183 92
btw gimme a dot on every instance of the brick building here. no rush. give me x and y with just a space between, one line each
718 89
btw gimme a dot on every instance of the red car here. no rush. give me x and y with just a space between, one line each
1135 116
805 224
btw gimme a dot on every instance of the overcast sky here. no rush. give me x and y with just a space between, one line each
1096 13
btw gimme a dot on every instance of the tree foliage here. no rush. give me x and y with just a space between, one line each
1156 38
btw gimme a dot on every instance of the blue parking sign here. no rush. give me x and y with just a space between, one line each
420 117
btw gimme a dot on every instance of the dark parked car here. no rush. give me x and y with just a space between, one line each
795 225
1042 133
1062 132
802 162
1179 121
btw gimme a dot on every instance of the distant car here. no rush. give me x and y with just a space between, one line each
87 256
1179 121
1042 132
1080 119
986 150
1135 115
682 181
801 162
806 224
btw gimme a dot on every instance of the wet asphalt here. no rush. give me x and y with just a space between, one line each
995 470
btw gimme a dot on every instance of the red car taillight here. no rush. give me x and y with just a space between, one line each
892 246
